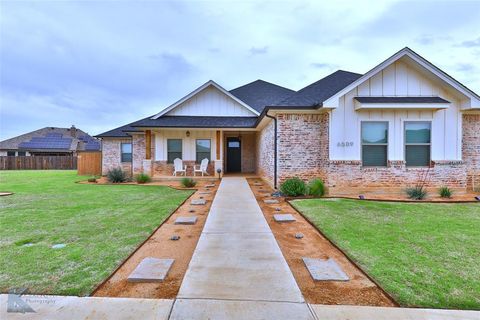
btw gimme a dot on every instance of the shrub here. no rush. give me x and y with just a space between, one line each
188 182
143 178
92 179
316 188
116 175
416 193
445 192
293 187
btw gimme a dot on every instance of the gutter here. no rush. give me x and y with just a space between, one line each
274 150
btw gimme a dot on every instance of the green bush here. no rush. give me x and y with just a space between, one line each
316 188
416 193
92 179
143 178
188 182
116 175
293 187
445 192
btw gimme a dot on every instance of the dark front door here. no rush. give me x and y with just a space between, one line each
234 155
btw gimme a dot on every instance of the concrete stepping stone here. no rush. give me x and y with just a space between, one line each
198 202
258 184
186 220
325 270
205 192
209 186
287 217
151 270
270 201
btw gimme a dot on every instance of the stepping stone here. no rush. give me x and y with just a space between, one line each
175 238
298 235
264 191
258 184
198 202
209 186
325 270
283 217
186 220
151 270
270 201
205 192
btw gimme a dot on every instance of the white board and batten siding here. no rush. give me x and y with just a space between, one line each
398 79
188 143
211 102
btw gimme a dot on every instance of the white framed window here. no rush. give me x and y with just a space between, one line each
126 152
418 137
203 148
374 136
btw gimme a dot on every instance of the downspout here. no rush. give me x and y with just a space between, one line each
274 150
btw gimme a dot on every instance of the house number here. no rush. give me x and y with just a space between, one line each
345 144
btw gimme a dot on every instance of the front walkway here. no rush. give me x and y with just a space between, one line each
237 263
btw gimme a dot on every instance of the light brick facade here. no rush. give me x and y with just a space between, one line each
471 148
111 155
265 152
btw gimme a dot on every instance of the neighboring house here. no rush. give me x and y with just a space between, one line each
49 141
381 129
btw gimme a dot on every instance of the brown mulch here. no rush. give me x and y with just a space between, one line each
359 290
159 245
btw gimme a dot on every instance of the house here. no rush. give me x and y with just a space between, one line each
49 141
385 128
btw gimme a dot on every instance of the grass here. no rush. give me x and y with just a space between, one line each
424 255
100 225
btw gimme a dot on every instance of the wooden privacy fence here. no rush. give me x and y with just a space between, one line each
38 162
90 163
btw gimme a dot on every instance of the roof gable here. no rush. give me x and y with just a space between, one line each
470 100
210 99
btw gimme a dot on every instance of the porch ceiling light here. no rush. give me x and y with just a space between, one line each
188 133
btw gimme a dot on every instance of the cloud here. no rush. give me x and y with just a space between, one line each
466 67
255 51
470 43
323 65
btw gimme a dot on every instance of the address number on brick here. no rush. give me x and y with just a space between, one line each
345 144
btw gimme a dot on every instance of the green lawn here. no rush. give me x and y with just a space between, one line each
424 255
100 225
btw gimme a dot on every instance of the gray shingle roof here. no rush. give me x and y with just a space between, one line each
197 122
259 93
316 93
401 100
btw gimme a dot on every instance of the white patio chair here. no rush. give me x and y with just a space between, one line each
178 167
202 168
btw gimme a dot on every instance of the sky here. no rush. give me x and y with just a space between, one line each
101 64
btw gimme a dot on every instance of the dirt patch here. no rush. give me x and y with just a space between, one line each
159 245
359 290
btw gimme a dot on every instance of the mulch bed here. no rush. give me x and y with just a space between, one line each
359 290
159 245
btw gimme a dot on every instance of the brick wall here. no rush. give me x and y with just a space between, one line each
138 147
265 152
248 152
302 146
111 155
471 147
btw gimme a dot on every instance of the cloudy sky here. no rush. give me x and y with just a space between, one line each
101 64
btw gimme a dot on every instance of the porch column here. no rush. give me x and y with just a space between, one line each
218 152
147 162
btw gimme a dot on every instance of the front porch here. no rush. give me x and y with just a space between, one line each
228 151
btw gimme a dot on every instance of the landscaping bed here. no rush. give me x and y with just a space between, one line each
423 254
93 228
360 290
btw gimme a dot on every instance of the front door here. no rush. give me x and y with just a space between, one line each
234 155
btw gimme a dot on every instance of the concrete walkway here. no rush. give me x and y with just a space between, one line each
238 264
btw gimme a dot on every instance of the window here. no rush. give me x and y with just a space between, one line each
374 144
417 144
174 149
202 149
22 153
11 153
126 152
